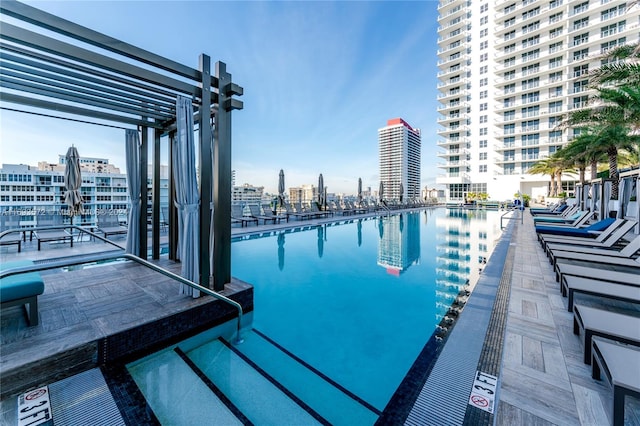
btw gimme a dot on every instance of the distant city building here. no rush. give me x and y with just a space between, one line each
303 194
399 148
247 195
509 72
29 191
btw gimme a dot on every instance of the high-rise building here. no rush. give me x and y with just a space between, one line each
509 71
399 146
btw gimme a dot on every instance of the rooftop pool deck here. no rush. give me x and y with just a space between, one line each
87 319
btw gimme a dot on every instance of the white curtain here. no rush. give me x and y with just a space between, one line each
132 152
187 198
585 197
624 195
607 199
595 197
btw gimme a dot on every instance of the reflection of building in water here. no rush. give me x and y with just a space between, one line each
463 243
399 245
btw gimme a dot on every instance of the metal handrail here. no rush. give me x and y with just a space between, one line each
128 256
511 210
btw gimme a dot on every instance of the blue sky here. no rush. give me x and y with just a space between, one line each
319 79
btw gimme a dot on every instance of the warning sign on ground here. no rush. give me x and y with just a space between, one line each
483 392
34 407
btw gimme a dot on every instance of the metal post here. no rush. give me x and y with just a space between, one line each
144 160
155 196
206 172
222 183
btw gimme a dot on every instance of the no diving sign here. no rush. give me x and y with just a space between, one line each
483 392
34 408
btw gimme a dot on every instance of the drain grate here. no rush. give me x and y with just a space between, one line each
84 399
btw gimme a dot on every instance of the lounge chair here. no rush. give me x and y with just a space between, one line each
109 224
625 292
256 213
238 215
590 231
337 208
554 209
615 361
8 222
616 237
589 236
622 257
577 219
47 235
316 210
616 276
592 322
269 213
565 213
291 212
21 289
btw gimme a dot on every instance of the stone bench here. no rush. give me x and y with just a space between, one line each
21 289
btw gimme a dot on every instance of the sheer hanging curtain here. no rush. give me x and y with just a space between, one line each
132 152
595 197
624 195
187 199
607 199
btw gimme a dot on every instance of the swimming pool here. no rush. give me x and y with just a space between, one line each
342 310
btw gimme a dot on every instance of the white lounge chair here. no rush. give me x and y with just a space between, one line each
572 285
621 257
598 273
592 322
615 237
615 361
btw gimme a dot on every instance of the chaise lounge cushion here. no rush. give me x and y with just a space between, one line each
583 232
20 286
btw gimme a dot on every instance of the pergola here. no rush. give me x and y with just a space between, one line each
95 78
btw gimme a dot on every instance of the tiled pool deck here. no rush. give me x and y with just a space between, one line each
542 377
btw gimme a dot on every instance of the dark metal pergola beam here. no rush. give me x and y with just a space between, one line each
43 61
62 26
70 109
40 42
56 78
60 76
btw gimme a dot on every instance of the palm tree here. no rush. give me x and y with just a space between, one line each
584 150
546 166
623 67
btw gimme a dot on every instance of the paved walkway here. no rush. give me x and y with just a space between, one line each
543 377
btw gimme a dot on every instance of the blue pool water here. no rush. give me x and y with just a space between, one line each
355 302
358 301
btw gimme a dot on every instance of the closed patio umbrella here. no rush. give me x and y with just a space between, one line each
401 192
187 198
72 181
360 191
381 192
132 152
320 191
281 189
